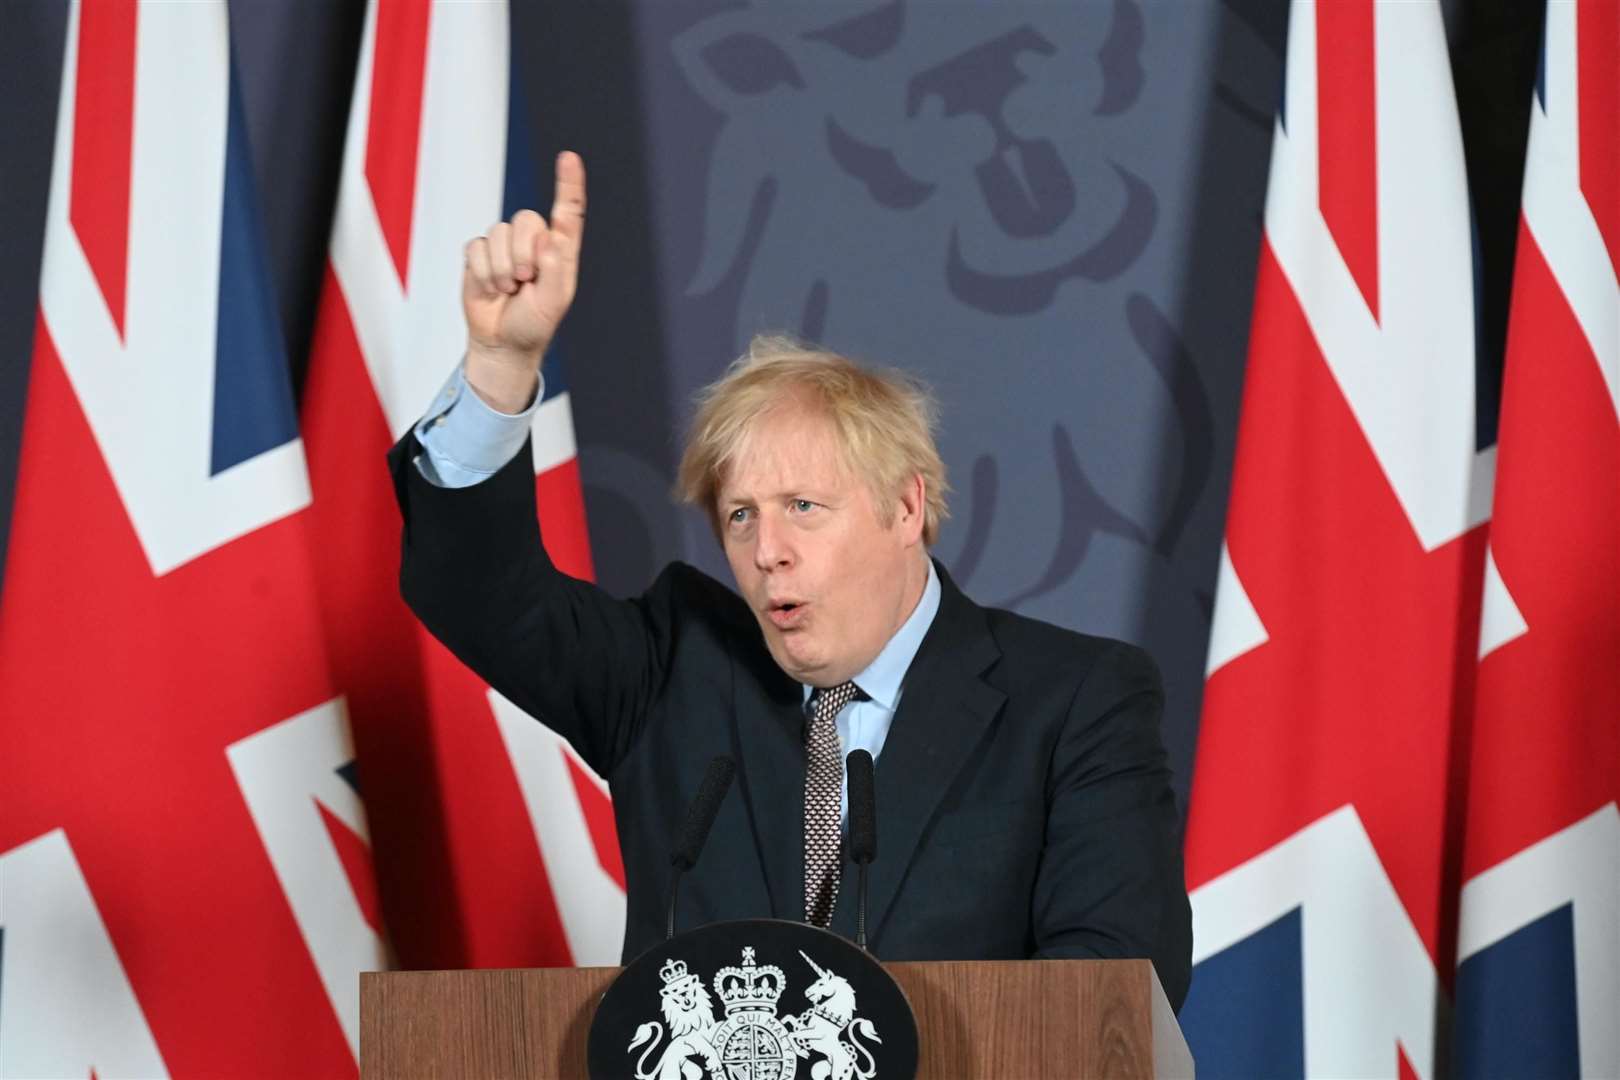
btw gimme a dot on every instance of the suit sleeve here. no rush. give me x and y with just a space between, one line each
474 570
1111 881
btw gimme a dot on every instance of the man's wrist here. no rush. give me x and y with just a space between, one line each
505 385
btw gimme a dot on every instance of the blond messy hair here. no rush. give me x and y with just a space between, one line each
882 420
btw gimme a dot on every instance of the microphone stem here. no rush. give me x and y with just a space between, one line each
860 911
674 894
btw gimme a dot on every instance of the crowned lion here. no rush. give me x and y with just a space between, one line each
689 1015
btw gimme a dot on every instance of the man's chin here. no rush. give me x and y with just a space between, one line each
801 666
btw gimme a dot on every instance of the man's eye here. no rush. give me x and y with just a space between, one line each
803 506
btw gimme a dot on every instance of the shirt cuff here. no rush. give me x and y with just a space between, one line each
464 440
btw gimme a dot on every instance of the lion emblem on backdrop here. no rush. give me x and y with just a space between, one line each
961 189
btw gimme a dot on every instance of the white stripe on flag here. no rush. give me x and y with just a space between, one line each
553 430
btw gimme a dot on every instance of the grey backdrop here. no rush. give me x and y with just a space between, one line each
1050 212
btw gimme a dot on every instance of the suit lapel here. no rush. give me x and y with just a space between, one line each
944 713
770 739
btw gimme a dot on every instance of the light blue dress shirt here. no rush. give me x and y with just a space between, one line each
465 441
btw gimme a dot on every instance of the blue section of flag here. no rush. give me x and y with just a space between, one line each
1516 1012
521 175
1245 1012
349 774
521 192
1541 73
31 50
253 397
1282 96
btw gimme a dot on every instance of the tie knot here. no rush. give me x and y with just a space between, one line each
825 701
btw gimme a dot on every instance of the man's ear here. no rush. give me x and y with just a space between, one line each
913 503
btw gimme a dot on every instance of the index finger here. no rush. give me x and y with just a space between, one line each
568 206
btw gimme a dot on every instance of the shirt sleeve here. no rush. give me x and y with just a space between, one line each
464 440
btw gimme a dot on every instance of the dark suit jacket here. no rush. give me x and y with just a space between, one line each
1024 804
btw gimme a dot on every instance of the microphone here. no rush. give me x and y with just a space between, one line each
862 828
699 820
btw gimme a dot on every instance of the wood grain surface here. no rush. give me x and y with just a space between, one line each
1021 1020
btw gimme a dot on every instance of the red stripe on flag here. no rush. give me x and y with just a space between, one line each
393 134
599 818
355 855
103 127
561 501
1597 32
1347 140
1546 741
1404 1063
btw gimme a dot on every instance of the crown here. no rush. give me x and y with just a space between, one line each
749 988
676 977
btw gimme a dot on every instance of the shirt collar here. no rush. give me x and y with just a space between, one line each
882 678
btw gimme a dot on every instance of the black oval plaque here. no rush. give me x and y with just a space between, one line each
756 999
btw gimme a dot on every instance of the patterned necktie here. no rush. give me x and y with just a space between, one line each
823 789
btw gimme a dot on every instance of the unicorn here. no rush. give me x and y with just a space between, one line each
830 1028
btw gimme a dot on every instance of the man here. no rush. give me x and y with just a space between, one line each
1024 806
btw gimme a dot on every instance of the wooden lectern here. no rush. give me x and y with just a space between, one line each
1013 1019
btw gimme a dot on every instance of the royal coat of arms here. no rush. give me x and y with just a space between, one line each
752 1042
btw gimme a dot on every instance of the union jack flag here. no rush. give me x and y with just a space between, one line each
185 879
1538 981
1326 801
495 843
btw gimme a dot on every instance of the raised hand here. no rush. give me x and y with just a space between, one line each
518 283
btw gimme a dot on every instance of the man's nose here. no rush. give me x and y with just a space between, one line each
773 549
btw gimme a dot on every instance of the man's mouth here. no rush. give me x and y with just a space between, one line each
786 614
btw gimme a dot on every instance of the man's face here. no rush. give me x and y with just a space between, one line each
828 582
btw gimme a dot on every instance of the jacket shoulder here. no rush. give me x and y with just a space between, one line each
1037 652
